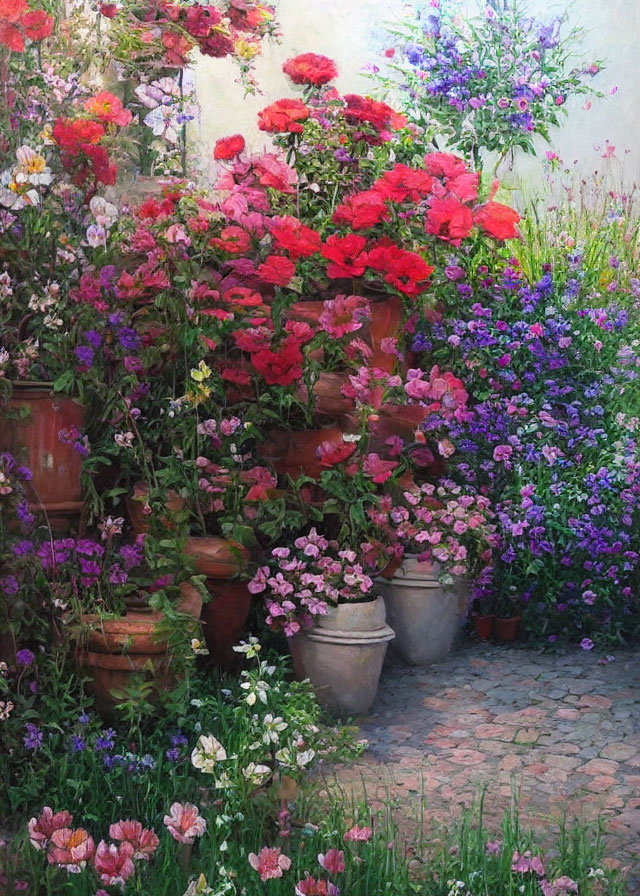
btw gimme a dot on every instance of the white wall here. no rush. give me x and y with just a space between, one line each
351 32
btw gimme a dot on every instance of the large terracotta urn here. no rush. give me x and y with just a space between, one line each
296 452
343 654
33 419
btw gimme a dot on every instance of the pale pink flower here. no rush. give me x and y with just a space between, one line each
41 828
113 863
357 834
527 862
332 861
185 823
269 862
71 850
312 887
344 314
143 841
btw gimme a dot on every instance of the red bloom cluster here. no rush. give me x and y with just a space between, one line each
108 109
346 256
498 220
449 219
381 117
283 115
282 366
295 238
362 210
228 147
406 271
19 22
310 68
402 182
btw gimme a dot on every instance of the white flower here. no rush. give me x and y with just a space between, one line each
273 726
207 753
198 647
96 236
255 773
52 321
5 709
123 439
251 648
105 213
305 757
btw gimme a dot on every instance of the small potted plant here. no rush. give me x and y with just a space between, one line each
320 596
508 616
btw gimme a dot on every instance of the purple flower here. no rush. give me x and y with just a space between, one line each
128 339
33 738
84 354
587 644
78 744
93 338
106 740
25 657
24 473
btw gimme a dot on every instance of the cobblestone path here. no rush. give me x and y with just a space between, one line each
562 731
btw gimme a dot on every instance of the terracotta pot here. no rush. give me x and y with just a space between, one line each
295 453
386 321
328 399
425 615
119 650
483 625
343 654
136 505
217 558
224 618
506 630
31 433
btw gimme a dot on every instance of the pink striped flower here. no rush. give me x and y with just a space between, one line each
269 862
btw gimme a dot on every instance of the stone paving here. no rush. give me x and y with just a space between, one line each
563 732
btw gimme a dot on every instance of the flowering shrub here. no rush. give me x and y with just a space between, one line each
302 583
485 82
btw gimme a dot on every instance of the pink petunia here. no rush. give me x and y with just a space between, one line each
332 861
184 822
143 841
114 864
71 849
269 862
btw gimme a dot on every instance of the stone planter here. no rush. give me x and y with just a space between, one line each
343 655
425 615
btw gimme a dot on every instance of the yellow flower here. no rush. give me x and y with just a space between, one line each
201 372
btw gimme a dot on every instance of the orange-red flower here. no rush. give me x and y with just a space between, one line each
449 219
108 109
361 210
73 134
367 111
403 182
228 147
295 238
310 68
283 115
233 239
346 256
18 21
498 220
281 367
406 271
277 269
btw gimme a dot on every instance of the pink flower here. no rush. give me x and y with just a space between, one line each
143 841
356 834
332 861
270 862
560 887
113 863
526 862
185 823
312 887
344 314
71 850
379 470
41 828
492 847
502 452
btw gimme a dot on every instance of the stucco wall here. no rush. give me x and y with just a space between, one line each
351 32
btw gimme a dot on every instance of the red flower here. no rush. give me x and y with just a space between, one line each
361 210
333 453
241 297
300 330
256 340
261 481
362 109
406 271
229 147
283 115
176 48
109 10
273 172
498 220
37 24
449 219
104 171
17 21
346 256
281 367
445 164
277 269
234 240
73 134
310 68
295 238
379 470
108 109
402 182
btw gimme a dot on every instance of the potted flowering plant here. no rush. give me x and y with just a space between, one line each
322 598
440 535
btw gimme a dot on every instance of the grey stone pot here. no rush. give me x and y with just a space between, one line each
343 654
425 615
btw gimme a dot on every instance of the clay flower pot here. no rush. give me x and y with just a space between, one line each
506 629
31 433
119 650
295 453
216 558
137 503
483 625
343 654
425 615
224 617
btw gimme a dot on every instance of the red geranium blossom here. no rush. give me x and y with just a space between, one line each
361 210
232 239
445 164
228 147
17 21
402 182
108 109
379 115
242 297
282 366
406 271
277 269
346 256
449 219
498 220
295 238
104 171
273 172
310 68
73 134
283 115
176 48
332 453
